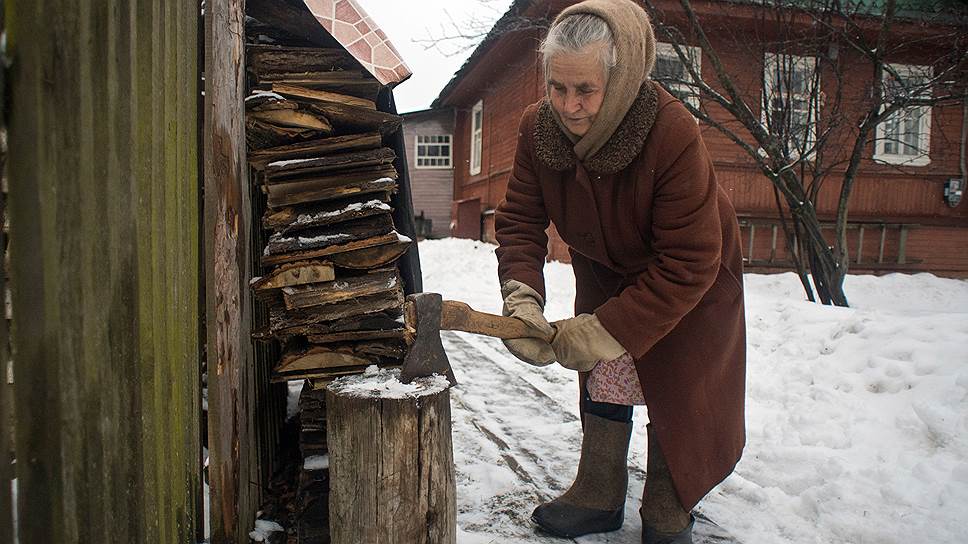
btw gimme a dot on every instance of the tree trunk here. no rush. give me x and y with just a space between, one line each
391 461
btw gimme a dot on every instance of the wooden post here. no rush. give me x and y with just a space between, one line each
233 462
392 475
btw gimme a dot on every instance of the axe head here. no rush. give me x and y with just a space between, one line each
426 355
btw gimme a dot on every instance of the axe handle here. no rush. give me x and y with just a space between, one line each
457 316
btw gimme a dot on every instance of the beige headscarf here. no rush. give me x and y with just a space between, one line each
635 56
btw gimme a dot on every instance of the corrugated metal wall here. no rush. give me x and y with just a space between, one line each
104 211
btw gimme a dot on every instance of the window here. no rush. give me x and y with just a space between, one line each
672 73
433 151
904 137
790 101
477 136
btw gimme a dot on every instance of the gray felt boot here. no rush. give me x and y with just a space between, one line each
595 502
664 520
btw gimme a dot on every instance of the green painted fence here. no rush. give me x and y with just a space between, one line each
104 208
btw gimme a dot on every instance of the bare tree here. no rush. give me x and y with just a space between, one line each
803 133
457 36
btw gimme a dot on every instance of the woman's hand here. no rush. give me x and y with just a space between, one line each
526 304
582 341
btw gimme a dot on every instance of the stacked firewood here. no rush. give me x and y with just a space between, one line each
318 148
334 293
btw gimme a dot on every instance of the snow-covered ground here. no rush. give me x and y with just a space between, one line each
857 417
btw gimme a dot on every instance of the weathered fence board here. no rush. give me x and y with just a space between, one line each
6 392
104 203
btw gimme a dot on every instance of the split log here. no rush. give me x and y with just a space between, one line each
372 257
400 488
287 114
350 336
327 213
322 237
374 179
293 274
300 356
271 260
263 60
349 82
320 378
260 134
374 322
317 294
314 148
350 119
288 322
286 170
296 91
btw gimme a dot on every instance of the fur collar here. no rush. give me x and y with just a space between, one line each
553 147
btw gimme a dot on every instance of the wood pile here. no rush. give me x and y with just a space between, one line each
322 161
330 280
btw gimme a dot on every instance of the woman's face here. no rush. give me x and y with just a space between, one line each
576 87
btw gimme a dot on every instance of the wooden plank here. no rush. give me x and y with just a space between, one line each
313 148
227 231
103 164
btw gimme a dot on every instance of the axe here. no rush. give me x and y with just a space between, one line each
426 314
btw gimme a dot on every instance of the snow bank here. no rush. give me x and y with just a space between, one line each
857 418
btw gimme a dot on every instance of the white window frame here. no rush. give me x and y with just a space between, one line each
477 137
923 158
694 54
771 61
417 156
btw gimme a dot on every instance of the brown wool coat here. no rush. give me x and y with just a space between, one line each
656 254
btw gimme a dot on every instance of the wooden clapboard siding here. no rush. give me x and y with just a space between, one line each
498 73
104 200
432 188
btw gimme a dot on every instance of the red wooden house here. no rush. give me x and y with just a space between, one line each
901 218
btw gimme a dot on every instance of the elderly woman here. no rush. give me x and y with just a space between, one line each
619 166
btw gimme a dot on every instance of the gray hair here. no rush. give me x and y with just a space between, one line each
576 32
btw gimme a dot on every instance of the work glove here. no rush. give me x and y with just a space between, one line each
582 341
524 303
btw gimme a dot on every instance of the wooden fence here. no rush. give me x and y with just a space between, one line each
104 211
